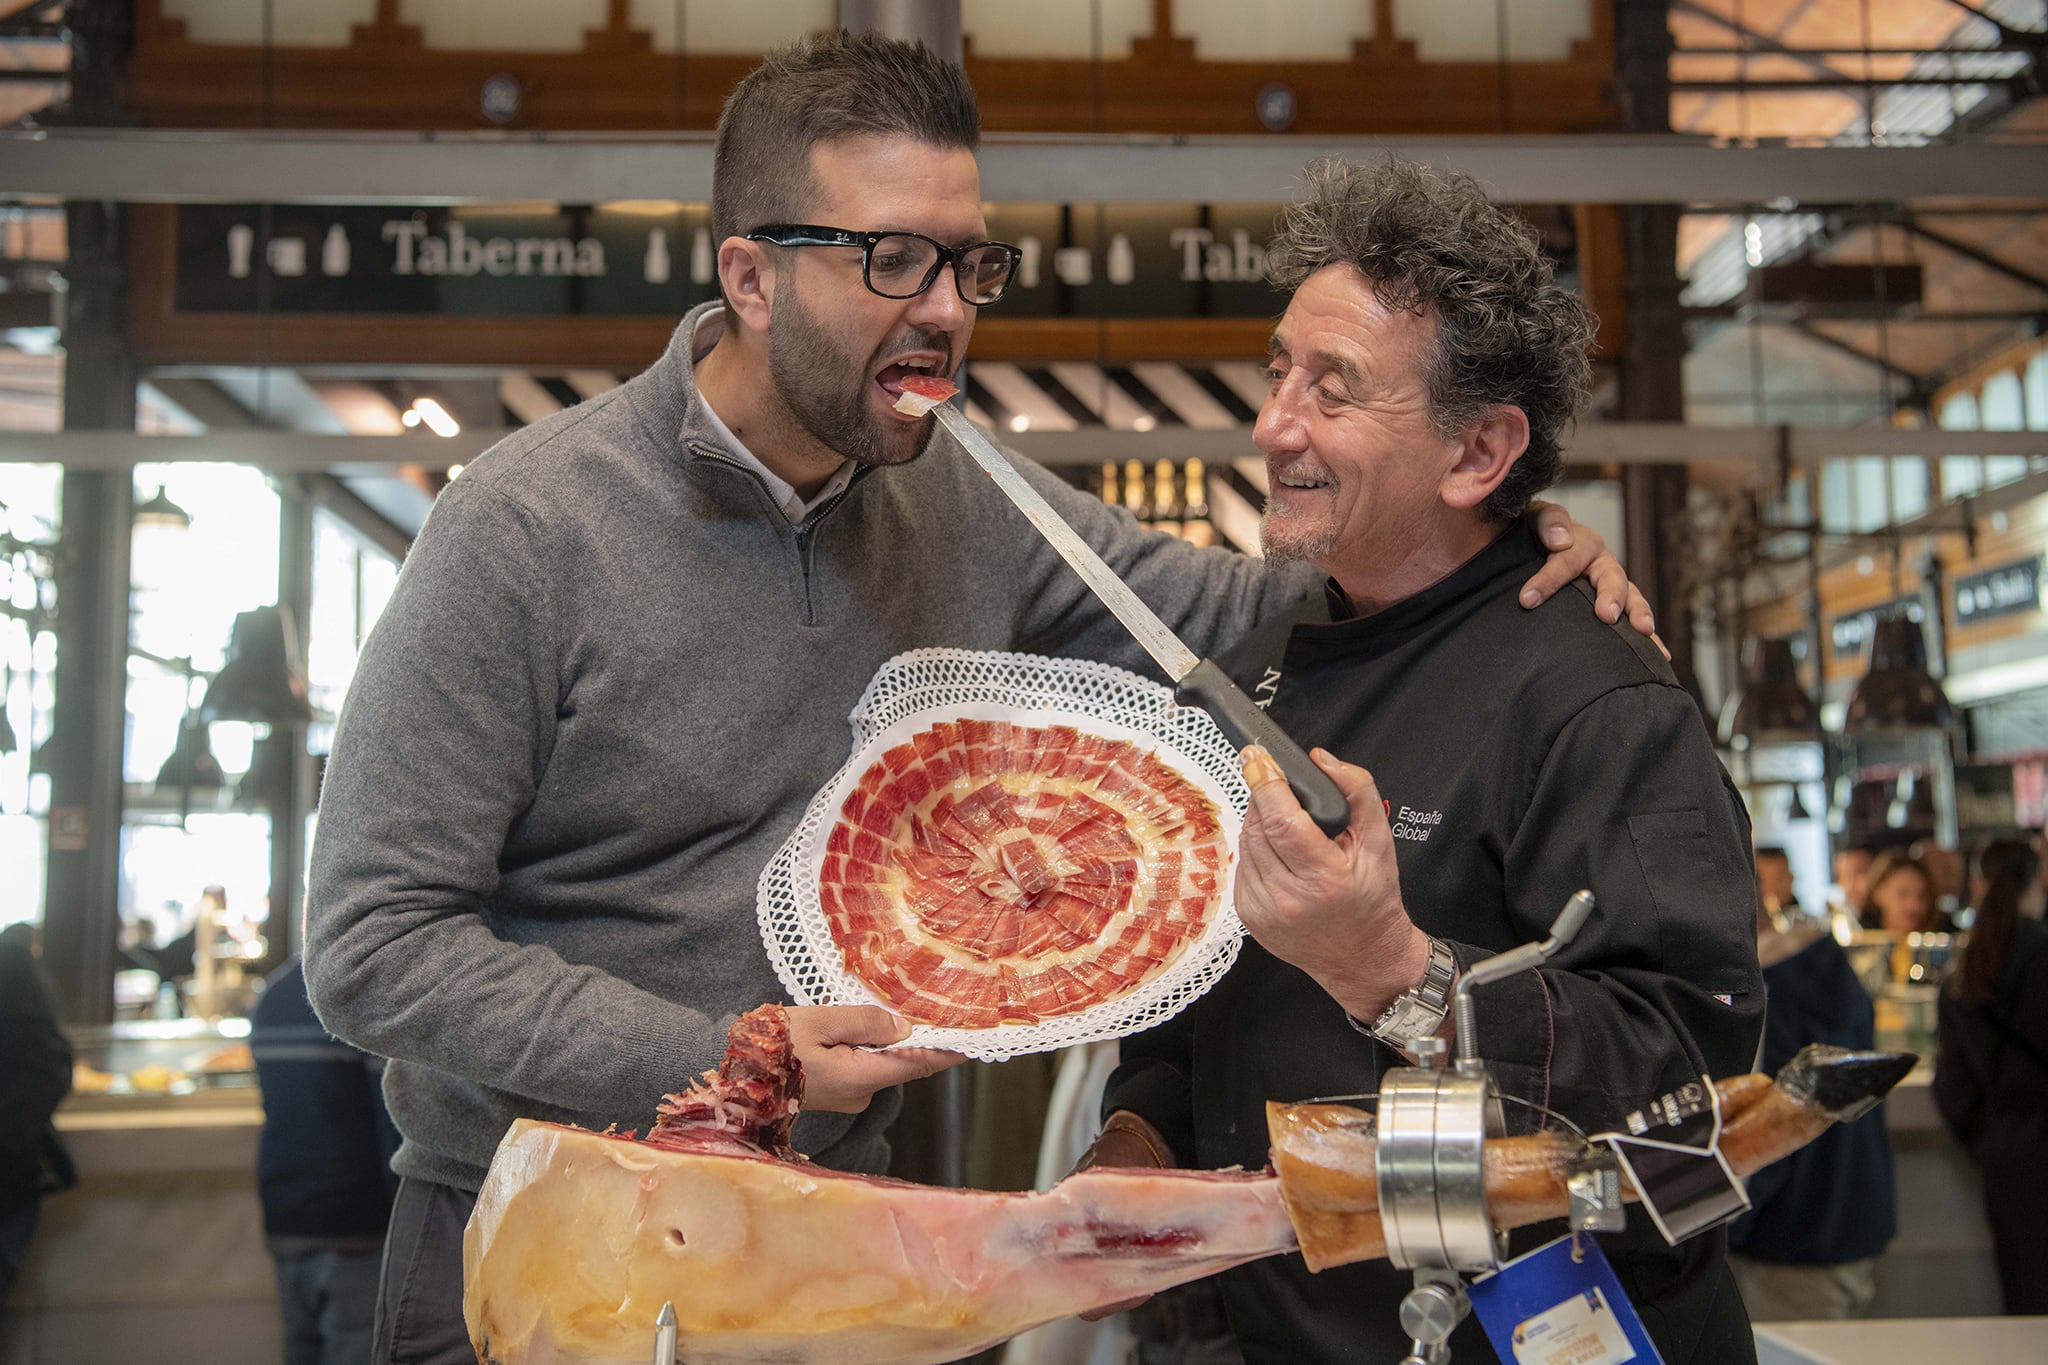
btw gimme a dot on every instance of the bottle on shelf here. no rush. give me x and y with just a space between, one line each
1136 500
1195 525
1167 505
1108 489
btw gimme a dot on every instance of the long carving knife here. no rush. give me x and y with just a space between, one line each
1196 681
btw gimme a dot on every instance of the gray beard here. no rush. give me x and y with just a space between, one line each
1284 544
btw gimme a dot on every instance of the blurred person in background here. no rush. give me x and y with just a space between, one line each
1817 1221
323 1171
1991 1072
1852 874
35 1074
1946 869
1851 870
1902 898
1774 884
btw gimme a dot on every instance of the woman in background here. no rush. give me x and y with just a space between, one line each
1902 898
1991 1072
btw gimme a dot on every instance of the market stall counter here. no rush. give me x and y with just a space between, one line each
1981 1341
158 1252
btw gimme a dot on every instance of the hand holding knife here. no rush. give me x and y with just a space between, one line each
1196 681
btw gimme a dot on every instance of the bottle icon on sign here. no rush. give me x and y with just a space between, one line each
702 265
1122 265
1028 251
287 256
655 268
241 246
334 251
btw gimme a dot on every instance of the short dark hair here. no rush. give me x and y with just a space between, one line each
820 88
1772 851
1430 241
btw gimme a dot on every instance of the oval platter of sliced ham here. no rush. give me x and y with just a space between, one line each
1015 862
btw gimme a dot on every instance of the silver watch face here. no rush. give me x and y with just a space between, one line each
1407 1020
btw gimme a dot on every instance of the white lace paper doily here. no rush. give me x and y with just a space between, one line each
913 691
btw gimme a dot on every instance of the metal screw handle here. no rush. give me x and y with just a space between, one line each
1515 960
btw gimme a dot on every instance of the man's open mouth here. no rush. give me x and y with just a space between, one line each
891 376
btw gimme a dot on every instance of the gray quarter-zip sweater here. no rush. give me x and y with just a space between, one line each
611 677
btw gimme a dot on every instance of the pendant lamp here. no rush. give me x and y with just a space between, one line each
1770 707
191 766
269 779
260 681
1897 691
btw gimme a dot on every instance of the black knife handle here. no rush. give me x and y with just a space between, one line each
1242 722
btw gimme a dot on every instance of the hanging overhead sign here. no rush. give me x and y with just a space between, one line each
658 259
2002 591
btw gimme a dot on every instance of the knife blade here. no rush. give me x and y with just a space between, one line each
1196 681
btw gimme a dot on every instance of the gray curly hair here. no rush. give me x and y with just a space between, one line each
1432 242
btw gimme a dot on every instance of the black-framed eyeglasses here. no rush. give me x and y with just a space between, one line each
902 265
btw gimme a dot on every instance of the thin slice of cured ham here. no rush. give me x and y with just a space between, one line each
920 393
984 873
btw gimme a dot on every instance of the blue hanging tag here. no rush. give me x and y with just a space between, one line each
1561 1305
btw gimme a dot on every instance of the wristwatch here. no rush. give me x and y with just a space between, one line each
1419 1011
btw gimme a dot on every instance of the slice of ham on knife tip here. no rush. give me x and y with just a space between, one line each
922 392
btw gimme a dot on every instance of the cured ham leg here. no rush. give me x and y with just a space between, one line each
579 1238
1325 1156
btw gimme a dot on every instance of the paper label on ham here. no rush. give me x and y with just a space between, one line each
1047 867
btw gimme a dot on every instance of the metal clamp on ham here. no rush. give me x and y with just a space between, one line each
1433 1126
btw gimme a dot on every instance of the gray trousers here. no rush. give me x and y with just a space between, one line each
1805 1293
419 1295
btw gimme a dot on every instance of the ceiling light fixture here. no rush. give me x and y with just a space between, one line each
434 415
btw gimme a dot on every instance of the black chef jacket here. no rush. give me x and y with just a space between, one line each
1522 755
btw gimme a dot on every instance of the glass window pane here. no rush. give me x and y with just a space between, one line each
2003 406
229 562
2000 470
1871 497
165 870
29 503
1961 475
351 582
1909 487
1836 510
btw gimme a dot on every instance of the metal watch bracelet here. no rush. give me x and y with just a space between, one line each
1419 1011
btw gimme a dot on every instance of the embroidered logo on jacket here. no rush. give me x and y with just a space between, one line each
1267 689
1413 825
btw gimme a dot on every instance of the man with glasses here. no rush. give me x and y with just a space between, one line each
619 661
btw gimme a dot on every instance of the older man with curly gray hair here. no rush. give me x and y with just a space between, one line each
1421 378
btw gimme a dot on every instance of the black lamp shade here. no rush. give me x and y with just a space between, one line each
161 511
191 766
260 681
269 779
1898 693
1770 705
